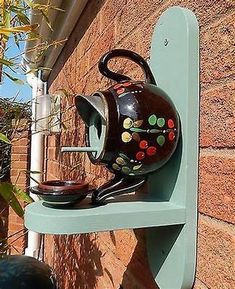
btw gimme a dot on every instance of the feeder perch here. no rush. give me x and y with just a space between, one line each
169 212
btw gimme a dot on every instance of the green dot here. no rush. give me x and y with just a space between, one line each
161 122
161 140
152 119
116 167
123 156
126 170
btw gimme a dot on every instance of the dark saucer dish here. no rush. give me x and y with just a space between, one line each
61 193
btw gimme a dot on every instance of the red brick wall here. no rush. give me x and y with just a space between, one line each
19 165
106 260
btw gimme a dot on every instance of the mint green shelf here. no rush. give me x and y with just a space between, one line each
112 216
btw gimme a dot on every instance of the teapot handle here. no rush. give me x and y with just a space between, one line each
117 186
103 65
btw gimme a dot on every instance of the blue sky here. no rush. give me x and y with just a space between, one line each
8 88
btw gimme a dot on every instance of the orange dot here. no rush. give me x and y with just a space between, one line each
116 86
126 84
120 90
140 156
171 136
151 151
170 123
143 144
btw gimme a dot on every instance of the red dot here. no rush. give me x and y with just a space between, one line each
126 84
151 151
171 135
120 90
143 144
140 156
170 123
116 86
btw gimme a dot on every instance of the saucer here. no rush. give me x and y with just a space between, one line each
57 192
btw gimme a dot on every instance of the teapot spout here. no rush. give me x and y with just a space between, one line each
89 106
117 186
94 113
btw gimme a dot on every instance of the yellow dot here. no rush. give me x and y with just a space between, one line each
116 167
126 136
120 161
127 123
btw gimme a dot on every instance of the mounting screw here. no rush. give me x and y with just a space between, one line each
166 42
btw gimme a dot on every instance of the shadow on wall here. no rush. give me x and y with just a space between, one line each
77 264
138 274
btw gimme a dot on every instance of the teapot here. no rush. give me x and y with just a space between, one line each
132 128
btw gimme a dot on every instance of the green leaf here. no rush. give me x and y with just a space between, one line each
18 29
6 62
16 80
4 138
22 195
7 192
23 18
136 129
47 19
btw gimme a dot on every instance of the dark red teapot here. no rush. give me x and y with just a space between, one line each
132 128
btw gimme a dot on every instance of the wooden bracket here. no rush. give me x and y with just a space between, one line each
174 61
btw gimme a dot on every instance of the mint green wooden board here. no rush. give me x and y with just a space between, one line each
113 216
175 63
170 212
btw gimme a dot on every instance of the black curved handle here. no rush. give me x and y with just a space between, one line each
103 65
117 186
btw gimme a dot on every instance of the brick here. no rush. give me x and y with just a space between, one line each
109 11
106 42
14 227
54 168
20 165
19 149
134 13
216 244
217 185
199 285
87 29
53 153
83 67
89 38
16 172
20 141
217 51
19 180
18 157
217 120
129 249
15 219
52 141
216 9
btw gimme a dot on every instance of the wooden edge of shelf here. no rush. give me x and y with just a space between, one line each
42 219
